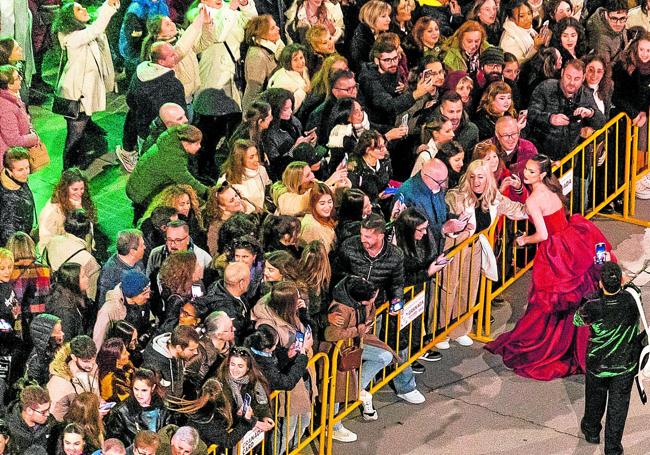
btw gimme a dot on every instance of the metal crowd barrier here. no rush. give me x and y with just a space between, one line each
602 168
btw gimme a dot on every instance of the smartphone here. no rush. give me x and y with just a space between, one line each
391 190
405 120
107 406
522 115
545 24
300 340
246 404
600 253
197 291
442 261
396 305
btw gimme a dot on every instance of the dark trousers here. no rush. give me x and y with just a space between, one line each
612 394
213 129
72 153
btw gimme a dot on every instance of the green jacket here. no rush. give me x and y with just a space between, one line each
164 164
454 59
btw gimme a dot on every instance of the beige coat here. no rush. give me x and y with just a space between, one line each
197 38
252 189
88 74
301 399
311 230
61 247
114 309
296 83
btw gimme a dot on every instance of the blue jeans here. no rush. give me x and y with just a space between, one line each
290 426
375 359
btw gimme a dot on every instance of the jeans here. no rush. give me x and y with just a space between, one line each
75 131
612 394
288 427
375 359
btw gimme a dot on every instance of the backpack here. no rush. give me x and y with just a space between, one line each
643 373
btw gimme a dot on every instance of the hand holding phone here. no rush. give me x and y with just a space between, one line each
601 253
396 305
247 403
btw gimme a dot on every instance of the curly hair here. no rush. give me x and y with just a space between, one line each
168 196
319 190
176 272
60 193
464 193
213 210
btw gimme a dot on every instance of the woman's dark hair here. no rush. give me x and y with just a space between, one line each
548 59
284 302
6 78
264 337
73 428
151 378
276 97
561 26
340 114
606 86
351 208
361 289
65 22
108 355
60 193
284 261
275 227
249 243
233 228
550 180
287 55
249 128
77 223
367 140
510 8
68 277
405 226
253 373
122 330
551 6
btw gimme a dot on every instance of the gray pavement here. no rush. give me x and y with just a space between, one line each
476 406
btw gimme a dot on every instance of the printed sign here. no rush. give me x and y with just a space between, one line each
412 309
250 440
567 182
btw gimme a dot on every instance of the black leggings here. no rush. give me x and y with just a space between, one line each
72 156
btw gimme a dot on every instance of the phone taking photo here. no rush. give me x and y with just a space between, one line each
405 120
601 253
247 402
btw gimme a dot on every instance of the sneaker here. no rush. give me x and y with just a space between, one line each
431 356
417 368
642 192
128 159
368 412
464 341
444 344
413 397
344 435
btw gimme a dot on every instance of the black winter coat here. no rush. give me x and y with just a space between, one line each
126 419
16 207
383 103
360 46
277 141
42 354
386 270
219 299
66 305
370 181
282 378
213 428
22 436
631 91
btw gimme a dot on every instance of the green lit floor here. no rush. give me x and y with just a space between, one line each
108 178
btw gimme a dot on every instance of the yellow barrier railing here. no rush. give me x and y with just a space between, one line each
604 167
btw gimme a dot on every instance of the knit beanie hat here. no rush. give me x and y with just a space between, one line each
134 283
492 56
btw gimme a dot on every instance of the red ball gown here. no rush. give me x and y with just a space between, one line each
544 343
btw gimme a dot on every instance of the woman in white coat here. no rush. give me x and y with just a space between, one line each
88 73
477 199
218 100
519 37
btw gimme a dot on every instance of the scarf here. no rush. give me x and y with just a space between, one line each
236 386
274 48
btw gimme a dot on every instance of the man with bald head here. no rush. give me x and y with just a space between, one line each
229 295
426 191
170 114
153 84
513 149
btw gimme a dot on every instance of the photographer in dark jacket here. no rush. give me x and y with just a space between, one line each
16 199
612 356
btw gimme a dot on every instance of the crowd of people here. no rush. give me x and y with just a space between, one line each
292 166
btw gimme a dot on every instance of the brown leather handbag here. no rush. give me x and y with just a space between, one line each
350 356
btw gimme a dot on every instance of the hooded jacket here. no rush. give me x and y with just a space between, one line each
170 370
162 165
152 86
65 384
23 436
16 206
39 359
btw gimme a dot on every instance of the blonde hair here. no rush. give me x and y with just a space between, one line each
6 255
371 11
168 197
291 180
468 26
465 196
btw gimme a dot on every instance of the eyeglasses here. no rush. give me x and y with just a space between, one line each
177 241
509 135
390 59
349 89
43 413
440 183
617 20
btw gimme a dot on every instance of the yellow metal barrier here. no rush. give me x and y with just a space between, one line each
280 402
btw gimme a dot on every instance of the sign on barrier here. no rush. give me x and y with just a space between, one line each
250 440
412 309
567 182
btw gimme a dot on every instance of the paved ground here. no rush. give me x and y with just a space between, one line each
474 405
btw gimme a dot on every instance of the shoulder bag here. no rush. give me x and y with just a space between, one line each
64 106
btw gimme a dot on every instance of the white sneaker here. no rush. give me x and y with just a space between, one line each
368 412
128 159
344 435
444 344
413 397
464 341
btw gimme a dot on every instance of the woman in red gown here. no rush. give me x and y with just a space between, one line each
544 343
